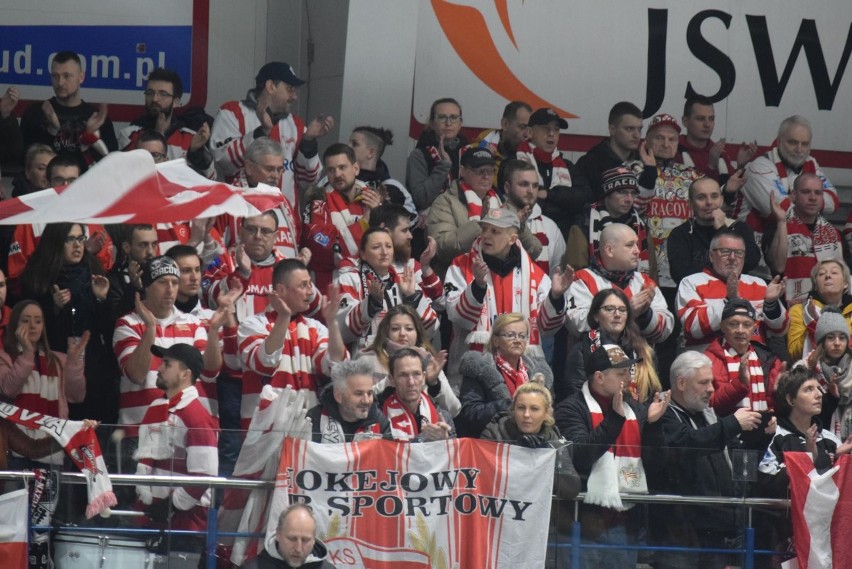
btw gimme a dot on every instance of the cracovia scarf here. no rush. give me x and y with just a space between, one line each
81 445
403 422
475 204
756 399
620 468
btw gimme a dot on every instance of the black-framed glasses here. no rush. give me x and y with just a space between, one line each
254 229
449 119
609 309
79 239
60 181
726 252
158 94
514 335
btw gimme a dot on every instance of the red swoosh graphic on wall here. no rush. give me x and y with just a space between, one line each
467 32
503 12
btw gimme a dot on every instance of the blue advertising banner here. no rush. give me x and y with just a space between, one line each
113 57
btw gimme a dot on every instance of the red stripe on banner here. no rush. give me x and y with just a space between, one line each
841 523
14 555
799 465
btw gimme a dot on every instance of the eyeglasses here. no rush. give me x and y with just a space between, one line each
158 156
449 119
609 309
514 335
483 172
79 239
726 252
254 229
158 94
60 181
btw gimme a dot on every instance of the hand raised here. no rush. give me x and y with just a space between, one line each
77 346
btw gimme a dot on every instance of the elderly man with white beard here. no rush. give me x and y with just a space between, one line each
695 464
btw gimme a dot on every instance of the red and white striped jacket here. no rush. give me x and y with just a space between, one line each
702 297
356 326
234 130
300 362
255 288
35 385
526 290
179 437
587 283
177 328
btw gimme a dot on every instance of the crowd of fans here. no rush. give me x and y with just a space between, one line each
660 293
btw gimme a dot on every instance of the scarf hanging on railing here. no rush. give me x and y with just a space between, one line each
80 444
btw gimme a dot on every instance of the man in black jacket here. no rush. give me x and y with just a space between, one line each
696 463
347 411
625 132
607 428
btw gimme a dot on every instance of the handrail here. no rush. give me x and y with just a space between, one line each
219 482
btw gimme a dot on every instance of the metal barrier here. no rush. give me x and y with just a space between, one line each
214 482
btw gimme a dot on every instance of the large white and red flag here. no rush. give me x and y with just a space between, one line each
456 503
821 511
128 187
14 515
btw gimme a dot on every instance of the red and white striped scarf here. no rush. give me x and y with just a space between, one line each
514 378
619 470
805 248
344 214
81 446
403 423
475 204
560 174
535 223
756 400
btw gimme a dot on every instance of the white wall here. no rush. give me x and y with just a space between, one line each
378 75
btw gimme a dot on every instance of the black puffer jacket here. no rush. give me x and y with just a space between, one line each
317 559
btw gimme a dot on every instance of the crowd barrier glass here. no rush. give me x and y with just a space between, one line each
668 528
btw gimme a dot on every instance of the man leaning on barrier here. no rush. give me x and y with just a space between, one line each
696 463
347 411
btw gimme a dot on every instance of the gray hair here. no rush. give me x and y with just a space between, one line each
686 364
791 121
725 233
282 517
263 146
342 371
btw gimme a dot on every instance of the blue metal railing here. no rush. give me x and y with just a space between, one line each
575 545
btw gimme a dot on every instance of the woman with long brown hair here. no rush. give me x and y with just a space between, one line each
402 328
37 378
611 321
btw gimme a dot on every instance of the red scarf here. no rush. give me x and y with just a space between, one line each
619 469
343 215
403 422
756 399
475 205
514 378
